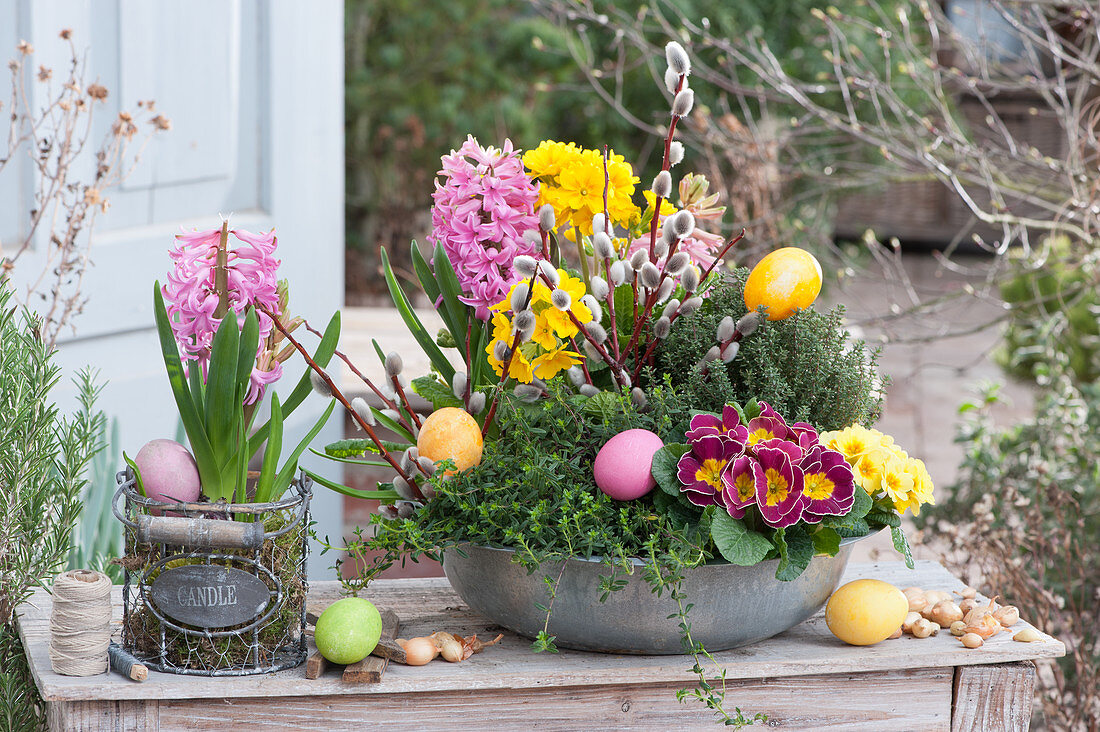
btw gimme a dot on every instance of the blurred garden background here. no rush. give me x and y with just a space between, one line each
940 159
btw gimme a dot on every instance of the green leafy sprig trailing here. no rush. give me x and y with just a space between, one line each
213 412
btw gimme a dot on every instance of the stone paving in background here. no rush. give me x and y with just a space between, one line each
929 378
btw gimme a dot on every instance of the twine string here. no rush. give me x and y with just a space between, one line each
80 624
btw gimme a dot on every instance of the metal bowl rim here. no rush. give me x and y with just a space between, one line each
637 562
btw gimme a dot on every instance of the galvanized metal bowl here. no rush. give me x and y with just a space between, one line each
733 606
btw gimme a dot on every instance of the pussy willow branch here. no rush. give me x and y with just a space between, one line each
511 354
390 404
338 395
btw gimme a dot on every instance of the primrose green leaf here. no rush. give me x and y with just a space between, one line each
735 542
664 467
360 446
435 391
796 549
826 541
862 505
847 526
902 545
883 518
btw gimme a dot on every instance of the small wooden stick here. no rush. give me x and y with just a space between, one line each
371 668
316 665
126 664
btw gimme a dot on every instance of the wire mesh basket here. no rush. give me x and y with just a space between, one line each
214 589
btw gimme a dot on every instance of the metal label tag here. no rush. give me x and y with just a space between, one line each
210 596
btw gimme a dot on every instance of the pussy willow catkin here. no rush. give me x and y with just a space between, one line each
80 625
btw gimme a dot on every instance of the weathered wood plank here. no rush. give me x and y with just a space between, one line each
115 716
996 697
371 668
316 665
428 605
919 699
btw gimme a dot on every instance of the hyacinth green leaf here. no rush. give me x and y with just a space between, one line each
737 543
286 475
222 405
430 283
902 545
385 496
413 323
246 354
329 339
457 311
189 415
197 387
138 483
271 453
424 273
664 464
796 549
369 462
393 425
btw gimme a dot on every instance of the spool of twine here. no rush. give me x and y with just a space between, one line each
80 625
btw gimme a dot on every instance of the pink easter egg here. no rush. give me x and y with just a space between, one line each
622 465
168 472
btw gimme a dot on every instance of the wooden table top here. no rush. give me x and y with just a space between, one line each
427 605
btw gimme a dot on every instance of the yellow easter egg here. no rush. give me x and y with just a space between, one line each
865 612
786 280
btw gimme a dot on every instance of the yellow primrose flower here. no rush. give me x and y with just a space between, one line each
582 189
868 469
853 442
548 364
502 327
548 159
667 209
519 369
896 480
543 334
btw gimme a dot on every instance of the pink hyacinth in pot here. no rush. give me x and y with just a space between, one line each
482 209
210 280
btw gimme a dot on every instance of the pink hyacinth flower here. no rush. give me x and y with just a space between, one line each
191 299
481 210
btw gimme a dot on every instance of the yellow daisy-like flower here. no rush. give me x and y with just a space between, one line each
548 364
559 320
519 369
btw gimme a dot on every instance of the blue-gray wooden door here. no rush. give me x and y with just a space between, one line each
255 94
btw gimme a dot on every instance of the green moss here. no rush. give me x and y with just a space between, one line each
808 367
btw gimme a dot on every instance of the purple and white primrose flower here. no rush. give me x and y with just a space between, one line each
781 469
701 470
729 424
828 484
779 484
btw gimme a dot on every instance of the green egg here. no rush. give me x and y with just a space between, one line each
348 630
